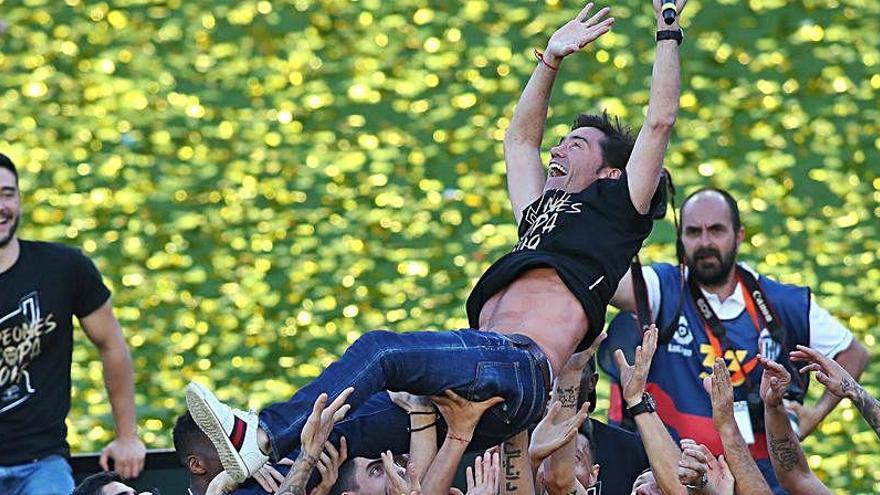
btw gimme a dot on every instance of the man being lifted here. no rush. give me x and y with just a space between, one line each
580 224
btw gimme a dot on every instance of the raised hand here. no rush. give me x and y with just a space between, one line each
411 403
484 477
320 423
578 361
269 478
633 378
462 415
693 466
328 466
836 379
721 393
551 435
394 483
774 382
578 32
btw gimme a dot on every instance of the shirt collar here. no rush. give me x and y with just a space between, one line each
734 305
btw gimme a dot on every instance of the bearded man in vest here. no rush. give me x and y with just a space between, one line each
715 307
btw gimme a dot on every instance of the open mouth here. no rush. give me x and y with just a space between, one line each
557 170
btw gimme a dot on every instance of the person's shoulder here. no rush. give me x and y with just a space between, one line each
770 282
52 248
51 252
665 270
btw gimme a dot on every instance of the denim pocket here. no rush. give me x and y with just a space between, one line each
498 378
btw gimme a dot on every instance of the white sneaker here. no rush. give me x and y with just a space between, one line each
233 432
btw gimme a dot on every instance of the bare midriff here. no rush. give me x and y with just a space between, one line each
538 305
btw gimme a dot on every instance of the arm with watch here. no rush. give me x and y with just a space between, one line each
663 453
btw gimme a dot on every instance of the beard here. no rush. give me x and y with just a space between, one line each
5 240
714 274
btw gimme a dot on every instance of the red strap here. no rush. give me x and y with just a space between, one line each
540 56
738 376
237 435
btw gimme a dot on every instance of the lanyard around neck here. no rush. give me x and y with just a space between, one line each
717 333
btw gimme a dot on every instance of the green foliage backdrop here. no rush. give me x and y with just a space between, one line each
261 182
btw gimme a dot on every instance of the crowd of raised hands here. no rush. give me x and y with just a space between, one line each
554 457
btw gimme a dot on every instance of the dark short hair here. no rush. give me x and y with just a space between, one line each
731 205
6 162
94 483
586 375
347 480
186 434
619 140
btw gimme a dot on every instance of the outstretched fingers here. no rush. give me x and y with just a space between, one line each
340 399
620 359
804 353
582 15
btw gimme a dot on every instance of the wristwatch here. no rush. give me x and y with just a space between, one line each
647 405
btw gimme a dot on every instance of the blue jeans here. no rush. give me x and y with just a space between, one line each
47 476
476 365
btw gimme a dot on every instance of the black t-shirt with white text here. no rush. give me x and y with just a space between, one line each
39 295
589 237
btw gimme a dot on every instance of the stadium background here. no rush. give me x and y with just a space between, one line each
260 182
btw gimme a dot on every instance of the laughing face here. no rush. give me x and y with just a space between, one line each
576 162
10 206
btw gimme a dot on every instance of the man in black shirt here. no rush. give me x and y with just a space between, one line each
580 224
619 452
42 286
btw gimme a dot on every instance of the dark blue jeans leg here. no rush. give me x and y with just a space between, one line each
476 365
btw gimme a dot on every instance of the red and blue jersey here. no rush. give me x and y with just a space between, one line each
679 366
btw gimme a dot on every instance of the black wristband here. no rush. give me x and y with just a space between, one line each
413 430
676 35
412 413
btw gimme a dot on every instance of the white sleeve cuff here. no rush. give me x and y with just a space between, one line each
827 335
652 286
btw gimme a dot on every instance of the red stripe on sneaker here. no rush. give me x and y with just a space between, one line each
237 435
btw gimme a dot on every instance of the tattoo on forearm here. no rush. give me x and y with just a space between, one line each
511 474
295 482
785 450
567 396
869 407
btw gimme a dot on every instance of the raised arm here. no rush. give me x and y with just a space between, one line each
315 432
786 455
749 479
646 160
853 359
522 142
663 453
461 418
516 471
839 383
422 427
559 471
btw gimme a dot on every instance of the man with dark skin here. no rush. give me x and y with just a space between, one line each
580 224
